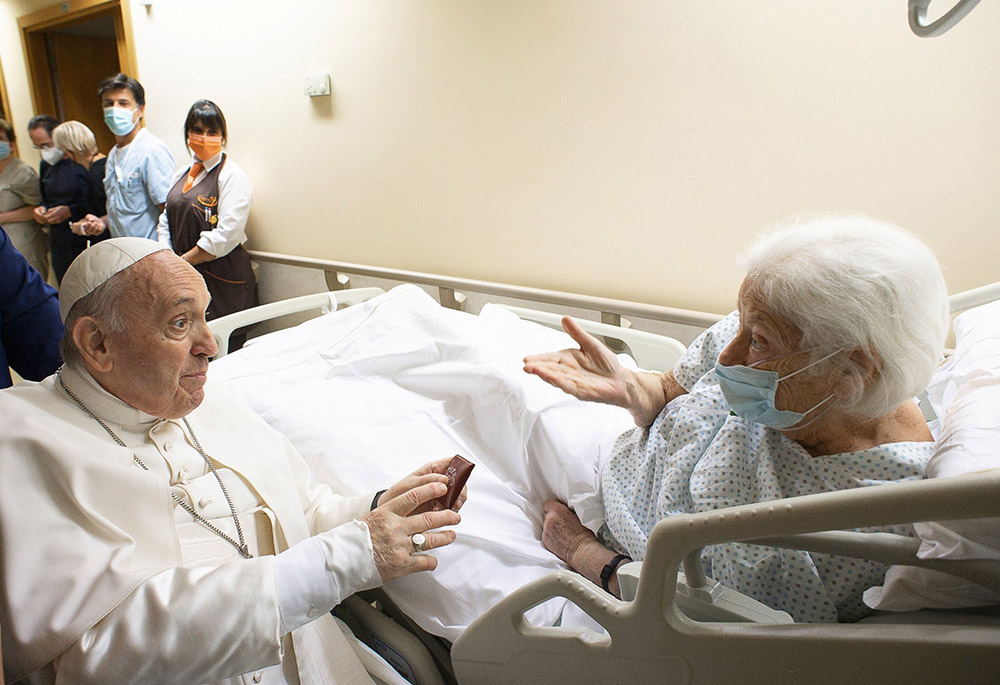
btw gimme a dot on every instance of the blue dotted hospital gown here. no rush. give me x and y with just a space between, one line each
698 457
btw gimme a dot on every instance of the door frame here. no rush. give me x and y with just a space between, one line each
5 106
34 25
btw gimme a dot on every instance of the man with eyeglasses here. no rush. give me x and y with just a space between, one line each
64 195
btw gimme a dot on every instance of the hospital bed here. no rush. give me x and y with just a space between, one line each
672 627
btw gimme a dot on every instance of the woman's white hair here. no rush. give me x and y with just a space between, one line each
856 283
75 137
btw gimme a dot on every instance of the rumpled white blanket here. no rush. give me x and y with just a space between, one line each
370 393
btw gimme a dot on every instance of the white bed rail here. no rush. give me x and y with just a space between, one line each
327 302
650 351
450 288
968 299
650 640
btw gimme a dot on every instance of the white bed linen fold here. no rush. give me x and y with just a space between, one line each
369 393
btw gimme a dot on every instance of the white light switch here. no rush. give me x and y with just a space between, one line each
318 85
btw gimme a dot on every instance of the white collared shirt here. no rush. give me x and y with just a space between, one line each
235 196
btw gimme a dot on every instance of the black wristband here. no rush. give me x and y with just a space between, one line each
610 568
376 498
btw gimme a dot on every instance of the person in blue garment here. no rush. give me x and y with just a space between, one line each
138 168
30 326
808 387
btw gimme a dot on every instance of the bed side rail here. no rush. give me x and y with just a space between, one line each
327 302
889 549
449 287
650 351
401 648
651 639
967 299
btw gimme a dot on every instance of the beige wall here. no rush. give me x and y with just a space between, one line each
624 148
14 71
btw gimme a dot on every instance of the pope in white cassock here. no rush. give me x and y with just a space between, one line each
154 529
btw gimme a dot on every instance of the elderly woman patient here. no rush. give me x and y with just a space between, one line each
808 387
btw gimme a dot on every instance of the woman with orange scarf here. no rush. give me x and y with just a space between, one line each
206 215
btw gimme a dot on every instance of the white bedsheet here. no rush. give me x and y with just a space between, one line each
369 393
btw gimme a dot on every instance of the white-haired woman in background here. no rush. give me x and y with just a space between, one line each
808 387
78 142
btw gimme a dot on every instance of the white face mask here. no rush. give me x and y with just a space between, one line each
52 155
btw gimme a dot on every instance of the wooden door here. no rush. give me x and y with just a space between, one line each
80 63
4 114
70 49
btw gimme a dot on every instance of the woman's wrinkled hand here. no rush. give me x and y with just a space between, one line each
591 373
594 374
396 520
563 534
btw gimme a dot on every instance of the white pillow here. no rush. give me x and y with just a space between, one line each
965 393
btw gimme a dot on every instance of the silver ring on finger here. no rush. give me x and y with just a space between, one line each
419 542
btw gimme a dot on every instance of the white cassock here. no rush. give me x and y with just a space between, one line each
104 578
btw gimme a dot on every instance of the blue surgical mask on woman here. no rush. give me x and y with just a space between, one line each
4 149
119 120
750 393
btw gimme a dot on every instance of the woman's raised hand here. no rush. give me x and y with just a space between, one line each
591 373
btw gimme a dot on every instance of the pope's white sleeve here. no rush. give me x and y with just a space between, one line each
315 575
183 625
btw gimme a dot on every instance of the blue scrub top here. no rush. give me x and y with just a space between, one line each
137 179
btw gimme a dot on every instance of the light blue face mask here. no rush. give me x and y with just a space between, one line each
750 394
4 149
119 120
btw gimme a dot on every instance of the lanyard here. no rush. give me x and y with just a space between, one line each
118 163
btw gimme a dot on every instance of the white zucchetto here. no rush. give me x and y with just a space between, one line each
97 264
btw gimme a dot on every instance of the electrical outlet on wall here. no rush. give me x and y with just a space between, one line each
318 85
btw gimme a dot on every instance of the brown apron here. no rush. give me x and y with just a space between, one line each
229 278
